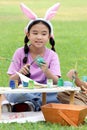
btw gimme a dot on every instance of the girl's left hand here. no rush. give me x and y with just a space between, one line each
44 67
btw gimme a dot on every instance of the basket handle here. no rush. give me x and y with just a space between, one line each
70 122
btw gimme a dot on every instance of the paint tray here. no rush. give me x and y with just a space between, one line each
64 114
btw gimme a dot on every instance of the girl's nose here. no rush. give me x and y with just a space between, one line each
39 36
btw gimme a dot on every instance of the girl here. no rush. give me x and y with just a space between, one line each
38 32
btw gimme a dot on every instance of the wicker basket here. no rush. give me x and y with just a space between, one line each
64 114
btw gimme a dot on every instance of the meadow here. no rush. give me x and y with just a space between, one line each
70 30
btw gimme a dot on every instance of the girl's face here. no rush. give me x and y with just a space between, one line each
39 35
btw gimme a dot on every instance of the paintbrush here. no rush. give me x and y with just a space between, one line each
38 59
74 75
33 61
8 59
28 75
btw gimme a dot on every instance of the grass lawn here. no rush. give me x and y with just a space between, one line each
70 29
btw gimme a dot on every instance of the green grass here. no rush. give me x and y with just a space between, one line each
70 29
39 126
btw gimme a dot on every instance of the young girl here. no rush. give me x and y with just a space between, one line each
38 32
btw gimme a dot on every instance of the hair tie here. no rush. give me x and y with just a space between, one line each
26 55
52 46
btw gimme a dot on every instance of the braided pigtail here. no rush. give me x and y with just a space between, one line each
52 42
26 50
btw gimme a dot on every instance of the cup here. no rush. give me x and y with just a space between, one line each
49 83
60 82
31 84
12 84
25 84
68 84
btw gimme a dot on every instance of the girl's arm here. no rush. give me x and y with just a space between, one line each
24 70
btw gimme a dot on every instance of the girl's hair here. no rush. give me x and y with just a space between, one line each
26 40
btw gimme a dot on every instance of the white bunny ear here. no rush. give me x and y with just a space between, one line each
29 13
51 11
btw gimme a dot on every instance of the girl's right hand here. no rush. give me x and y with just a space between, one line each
25 69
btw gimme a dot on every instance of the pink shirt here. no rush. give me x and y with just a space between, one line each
50 57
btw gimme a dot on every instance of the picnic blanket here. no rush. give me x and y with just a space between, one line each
21 117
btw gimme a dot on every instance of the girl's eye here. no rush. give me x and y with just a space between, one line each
35 33
44 34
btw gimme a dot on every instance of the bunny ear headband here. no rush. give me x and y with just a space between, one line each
33 17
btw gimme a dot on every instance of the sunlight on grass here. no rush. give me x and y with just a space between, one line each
73 11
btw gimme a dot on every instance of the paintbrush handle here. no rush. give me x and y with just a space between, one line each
28 75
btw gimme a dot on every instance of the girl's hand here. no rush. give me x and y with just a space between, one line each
44 67
25 69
